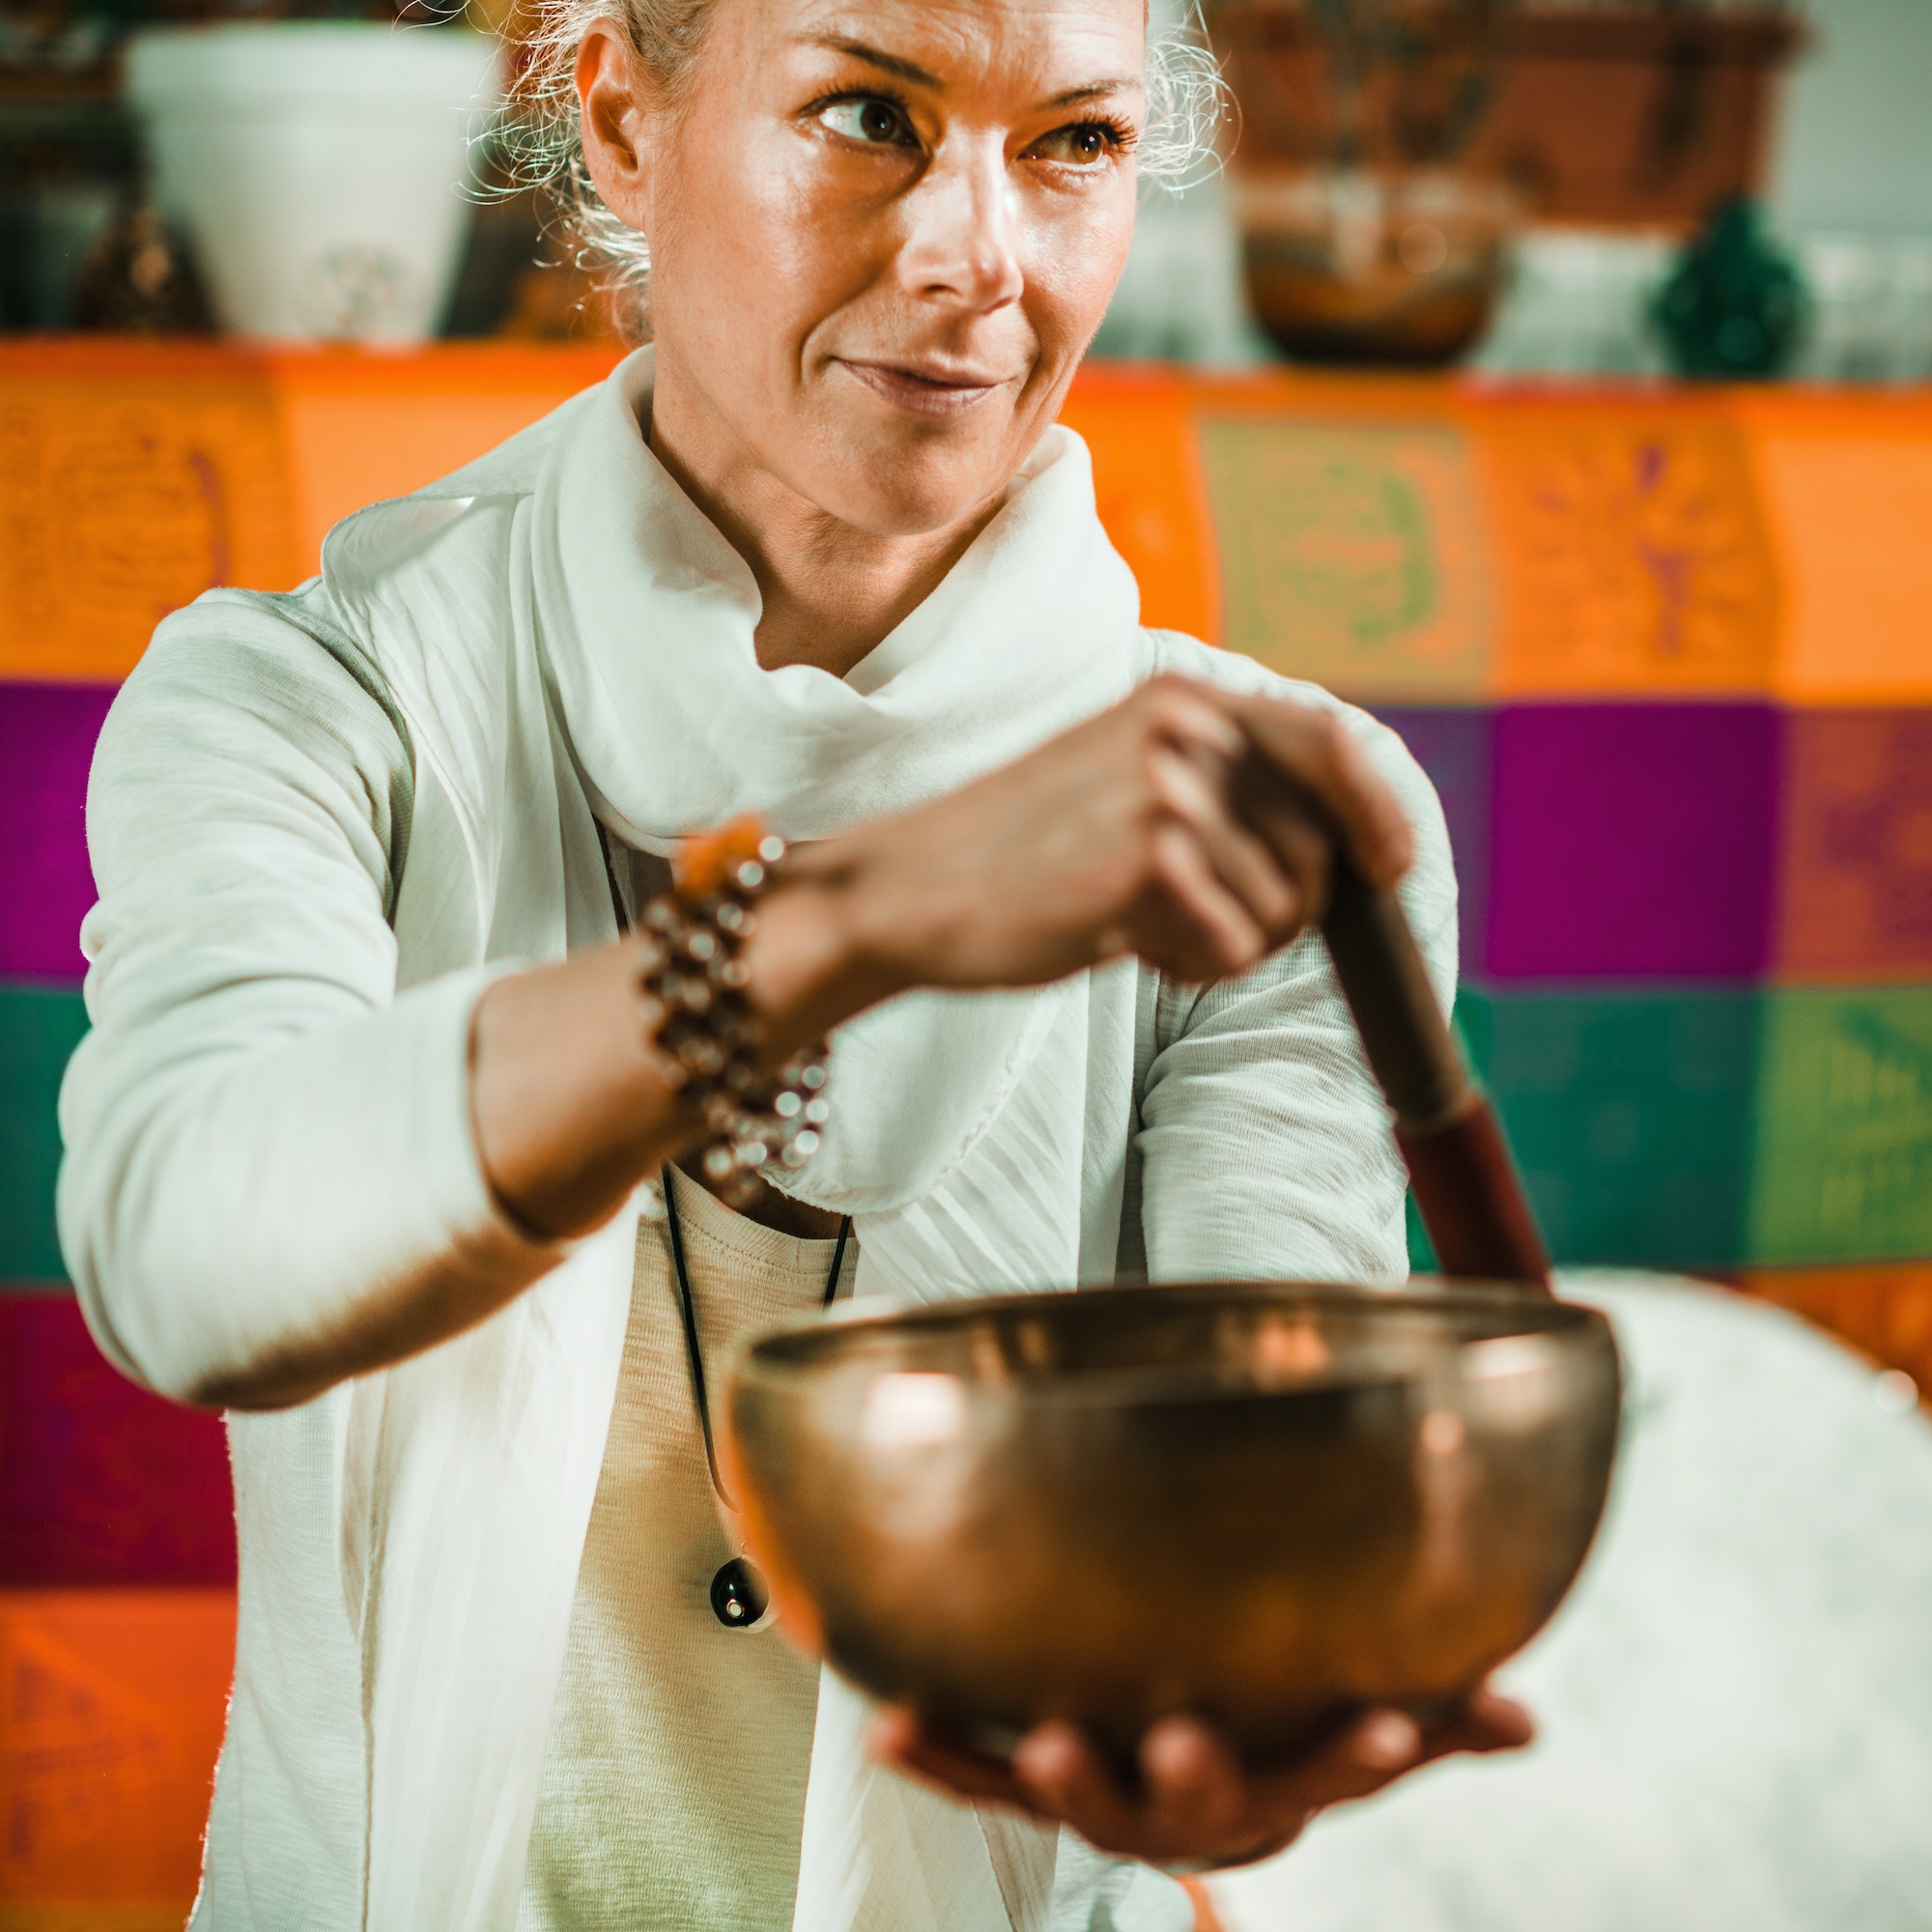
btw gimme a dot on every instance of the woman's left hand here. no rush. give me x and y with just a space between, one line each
1194 1806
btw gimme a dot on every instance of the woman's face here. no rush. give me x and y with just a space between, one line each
882 233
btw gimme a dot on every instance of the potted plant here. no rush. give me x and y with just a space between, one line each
1641 112
317 162
1385 145
1366 236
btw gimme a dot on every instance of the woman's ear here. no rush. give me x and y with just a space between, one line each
617 123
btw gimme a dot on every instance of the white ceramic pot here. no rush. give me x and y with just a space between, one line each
317 167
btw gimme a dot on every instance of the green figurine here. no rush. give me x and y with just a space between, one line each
1734 306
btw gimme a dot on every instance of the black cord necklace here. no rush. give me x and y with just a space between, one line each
739 1596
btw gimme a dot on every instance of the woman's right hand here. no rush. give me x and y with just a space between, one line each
1186 825
1193 828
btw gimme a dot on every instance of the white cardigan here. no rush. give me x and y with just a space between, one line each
318 823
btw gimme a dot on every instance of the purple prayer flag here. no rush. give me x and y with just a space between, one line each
101 1483
1633 840
1455 746
46 743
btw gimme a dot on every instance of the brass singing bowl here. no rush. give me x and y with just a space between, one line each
1263 1503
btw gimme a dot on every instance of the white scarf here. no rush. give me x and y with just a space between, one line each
979 1141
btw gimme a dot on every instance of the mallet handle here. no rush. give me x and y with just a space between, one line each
1467 1185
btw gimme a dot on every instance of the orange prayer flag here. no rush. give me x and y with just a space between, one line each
131 479
111 1710
1631 547
1152 496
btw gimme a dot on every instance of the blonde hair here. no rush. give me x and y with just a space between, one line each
540 138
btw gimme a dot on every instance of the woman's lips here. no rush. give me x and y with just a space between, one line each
924 392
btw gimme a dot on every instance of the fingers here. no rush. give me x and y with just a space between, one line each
1371 1751
1194 1784
1055 1773
1222 896
1264 819
1484 1720
1382 1746
1191 827
1193 1802
896 1736
1193 1799
1190 925
1195 717
1316 751
1063 1778
1196 794
1301 849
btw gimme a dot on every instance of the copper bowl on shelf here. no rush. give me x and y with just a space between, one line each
1261 1502
1348 265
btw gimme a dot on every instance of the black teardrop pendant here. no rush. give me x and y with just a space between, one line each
738 1595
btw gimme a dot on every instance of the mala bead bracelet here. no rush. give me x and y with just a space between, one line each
691 980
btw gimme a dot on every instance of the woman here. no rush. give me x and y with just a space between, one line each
360 1148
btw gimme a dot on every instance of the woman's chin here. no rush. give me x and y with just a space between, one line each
912 493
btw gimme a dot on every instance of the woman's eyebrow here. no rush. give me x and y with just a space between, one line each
1093 89
904 69
891 64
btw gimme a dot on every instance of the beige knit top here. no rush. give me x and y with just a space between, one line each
673 1782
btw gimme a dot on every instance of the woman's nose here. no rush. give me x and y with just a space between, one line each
964 239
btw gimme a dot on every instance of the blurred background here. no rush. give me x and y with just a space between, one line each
1561 150
1553 377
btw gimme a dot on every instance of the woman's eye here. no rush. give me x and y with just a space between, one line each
1083 144
880 123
